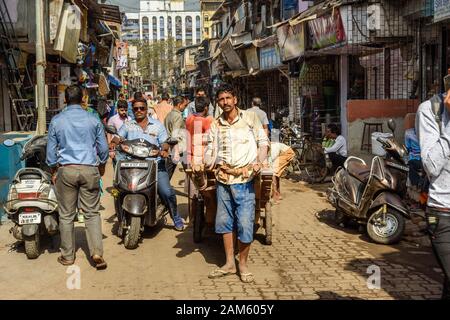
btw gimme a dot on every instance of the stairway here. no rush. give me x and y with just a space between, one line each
24 109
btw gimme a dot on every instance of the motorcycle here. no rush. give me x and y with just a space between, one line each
372 195
135 193
31 202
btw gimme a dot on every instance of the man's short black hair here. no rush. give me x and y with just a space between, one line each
121 95
140 99
122 104
201 103
334 128
165 96
138 95
200 90
225 87
178 100
74 94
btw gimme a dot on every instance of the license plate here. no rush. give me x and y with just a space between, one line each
134 165
30 218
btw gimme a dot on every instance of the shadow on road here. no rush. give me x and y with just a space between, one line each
211 246
330 295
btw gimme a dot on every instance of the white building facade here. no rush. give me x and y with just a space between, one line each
160 20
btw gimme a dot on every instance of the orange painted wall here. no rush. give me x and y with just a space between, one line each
365 109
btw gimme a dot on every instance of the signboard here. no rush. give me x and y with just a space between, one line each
441 10
327 30
269 58
121 55
291 41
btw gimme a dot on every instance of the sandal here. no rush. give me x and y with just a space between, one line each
247 277
219 273
100 263
65 262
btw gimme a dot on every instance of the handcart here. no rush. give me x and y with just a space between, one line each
203 205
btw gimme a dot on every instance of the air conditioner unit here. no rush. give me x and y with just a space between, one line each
374 17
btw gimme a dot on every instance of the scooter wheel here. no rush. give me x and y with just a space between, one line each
390 233
32 246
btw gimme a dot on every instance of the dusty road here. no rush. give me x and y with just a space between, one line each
311 258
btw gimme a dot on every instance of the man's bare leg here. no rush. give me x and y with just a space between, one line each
244 249
228 243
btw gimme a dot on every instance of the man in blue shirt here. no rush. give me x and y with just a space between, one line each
144 127
77 152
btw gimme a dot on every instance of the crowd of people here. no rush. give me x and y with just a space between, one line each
212 133
216 134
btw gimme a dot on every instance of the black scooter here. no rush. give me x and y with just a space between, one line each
136 199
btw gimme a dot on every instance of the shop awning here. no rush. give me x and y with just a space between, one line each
108 13
315 11
221 10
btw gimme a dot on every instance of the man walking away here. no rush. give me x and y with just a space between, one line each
237 146
77 152
163 108
175 127
262 115
433 130
338 151
281 155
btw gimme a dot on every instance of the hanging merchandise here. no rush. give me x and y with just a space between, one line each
82 52
90 56
103 88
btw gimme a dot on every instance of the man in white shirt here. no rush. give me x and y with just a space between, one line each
338 151
256 108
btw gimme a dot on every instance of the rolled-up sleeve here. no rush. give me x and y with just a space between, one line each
102 144
52 146
434 148
211 145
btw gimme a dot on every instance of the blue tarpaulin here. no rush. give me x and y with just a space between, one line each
114 81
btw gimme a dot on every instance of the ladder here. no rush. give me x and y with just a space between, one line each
24 109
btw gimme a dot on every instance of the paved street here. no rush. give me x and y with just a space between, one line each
311 258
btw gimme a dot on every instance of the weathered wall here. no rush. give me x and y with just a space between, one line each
360 111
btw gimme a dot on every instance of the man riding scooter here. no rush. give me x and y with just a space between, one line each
154 132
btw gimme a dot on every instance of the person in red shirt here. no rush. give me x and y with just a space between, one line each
197 125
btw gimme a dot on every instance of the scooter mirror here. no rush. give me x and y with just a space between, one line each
9 142
392 125
110 129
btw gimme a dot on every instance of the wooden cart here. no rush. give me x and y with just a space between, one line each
203 206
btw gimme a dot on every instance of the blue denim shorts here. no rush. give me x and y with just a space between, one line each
236 210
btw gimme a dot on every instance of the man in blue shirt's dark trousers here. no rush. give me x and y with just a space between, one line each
77 152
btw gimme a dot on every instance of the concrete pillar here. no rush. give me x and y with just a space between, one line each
141 26
174 27
150 29
194 29
183 29
158 28
343 80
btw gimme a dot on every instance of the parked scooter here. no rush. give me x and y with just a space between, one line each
31 202
136 197
373 195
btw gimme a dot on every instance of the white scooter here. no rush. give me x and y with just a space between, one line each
31 202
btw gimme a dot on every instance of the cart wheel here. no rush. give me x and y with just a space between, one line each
268 223
199 220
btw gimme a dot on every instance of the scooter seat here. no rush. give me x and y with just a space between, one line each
359 170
